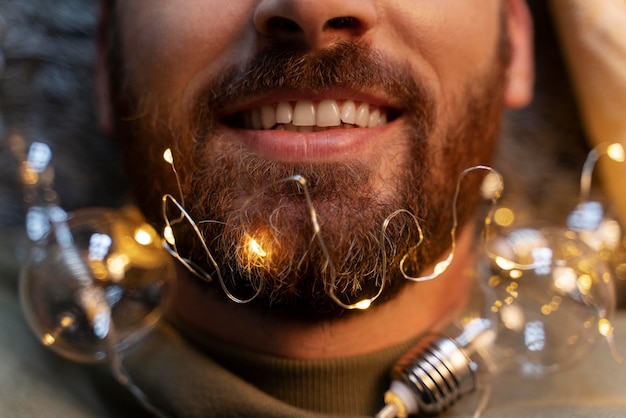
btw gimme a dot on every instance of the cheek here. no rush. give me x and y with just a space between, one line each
168 45
449 41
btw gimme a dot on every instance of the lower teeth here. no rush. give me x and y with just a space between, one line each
292 128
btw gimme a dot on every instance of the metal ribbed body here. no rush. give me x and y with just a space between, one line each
438 371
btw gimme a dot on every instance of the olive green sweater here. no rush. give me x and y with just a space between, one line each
208 379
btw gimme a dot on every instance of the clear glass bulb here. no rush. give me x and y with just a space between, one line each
95 283
553 295
539 303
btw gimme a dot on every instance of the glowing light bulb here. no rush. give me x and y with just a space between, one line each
541 301
491 187
167 156
143 236
615 152
605 327
256 248
168 235
504 263
83 314
364 304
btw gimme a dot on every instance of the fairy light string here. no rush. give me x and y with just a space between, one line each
614 151
492 190
493 186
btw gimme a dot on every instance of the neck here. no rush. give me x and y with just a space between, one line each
418 308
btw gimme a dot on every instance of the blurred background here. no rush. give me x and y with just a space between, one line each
47 56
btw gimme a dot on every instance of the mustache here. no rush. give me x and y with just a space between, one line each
346 64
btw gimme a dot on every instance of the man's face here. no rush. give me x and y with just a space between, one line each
379 105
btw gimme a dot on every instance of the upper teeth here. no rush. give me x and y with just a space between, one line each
305 115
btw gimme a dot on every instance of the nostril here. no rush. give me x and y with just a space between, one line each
278 24
343 22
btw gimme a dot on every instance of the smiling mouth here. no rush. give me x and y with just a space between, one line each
313 116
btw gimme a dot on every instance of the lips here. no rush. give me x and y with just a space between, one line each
305 130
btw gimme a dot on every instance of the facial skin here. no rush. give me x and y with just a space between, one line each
190 74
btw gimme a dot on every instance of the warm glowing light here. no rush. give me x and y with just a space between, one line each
256 248
168 234
609 234
98 269
494 281
515 274
67 321
616 152
117 266
571 235
496 306
143 237
441 267
565 279
364 304
546 309
48 340
554 305
167 156
504 263
492 186
584 283
504 217
511 289
29 176
513 317
605 327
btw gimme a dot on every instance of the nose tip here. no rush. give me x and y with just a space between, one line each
314 23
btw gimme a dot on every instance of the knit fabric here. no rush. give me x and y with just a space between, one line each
191 379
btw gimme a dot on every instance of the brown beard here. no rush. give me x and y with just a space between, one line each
221 181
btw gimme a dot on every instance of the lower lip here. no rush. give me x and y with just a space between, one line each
325 146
